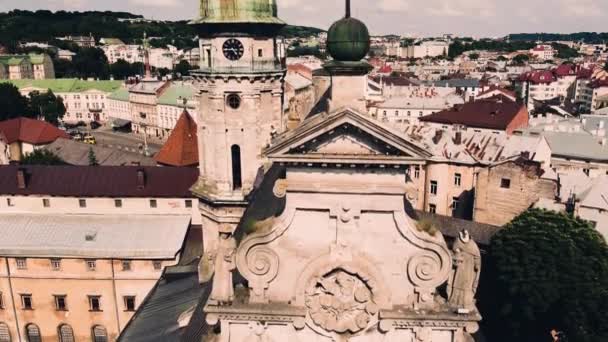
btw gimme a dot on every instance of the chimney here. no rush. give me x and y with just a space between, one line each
141 179
458 138
21 181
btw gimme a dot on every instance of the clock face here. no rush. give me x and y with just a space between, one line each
233 49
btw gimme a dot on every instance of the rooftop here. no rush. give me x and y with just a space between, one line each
492 113
181 148
30 131
175 94
67 85
77 153
93 236
99 181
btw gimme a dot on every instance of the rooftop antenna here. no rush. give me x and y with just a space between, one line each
347 15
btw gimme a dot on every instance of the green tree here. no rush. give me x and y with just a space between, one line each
474 56
42 157
91 62
122 70
183 68
606 66
47 106
544 271
12 103
521 59
92 158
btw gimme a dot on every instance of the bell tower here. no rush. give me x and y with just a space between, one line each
240 89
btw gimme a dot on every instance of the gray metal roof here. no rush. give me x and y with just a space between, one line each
93 236
576 146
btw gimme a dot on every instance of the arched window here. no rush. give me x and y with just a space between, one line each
237 182
99 334
5 334
66 334
32 333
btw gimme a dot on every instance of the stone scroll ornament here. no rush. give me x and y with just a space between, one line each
464 277
340 302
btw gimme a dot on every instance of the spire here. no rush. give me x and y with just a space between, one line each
148 71
347 15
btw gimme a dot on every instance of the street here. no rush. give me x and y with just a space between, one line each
122 141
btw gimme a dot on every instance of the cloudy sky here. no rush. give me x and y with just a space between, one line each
486 18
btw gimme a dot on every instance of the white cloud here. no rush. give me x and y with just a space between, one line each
581 8
394 5
156 3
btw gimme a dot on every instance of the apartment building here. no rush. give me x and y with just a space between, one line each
32 66
83 246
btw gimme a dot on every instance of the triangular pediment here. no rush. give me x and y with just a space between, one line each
344 134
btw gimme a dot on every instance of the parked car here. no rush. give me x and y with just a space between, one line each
89 139
95 125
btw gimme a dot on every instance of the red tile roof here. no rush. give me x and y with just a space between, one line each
565 70
385 69
99 181
538 77
181 149
496 112
493 88
30 131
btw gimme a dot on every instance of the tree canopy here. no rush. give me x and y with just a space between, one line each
46 105
547 271
12 103
42 157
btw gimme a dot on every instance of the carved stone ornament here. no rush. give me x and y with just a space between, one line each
341 302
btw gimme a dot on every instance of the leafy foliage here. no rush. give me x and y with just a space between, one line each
42 157
521 59
46 105
466 44
92 157
12 103
564 51
587 37
183 68
547 271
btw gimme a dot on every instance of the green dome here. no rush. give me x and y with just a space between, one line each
348 40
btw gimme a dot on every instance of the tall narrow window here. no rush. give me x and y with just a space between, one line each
32 332
61 303
26 302
5 334
129 303
455 202
21 263
236 167
56 264
417 172
457 179
99 334
432 208
94 303
126 265
66 334
433 187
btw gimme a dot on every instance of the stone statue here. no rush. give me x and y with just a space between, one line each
463 280
222 291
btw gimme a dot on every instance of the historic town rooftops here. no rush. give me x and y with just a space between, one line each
181 149
538 77
121 94
77 153
458 83
495 90
493 113
297 81
576 146
30 131
98 181
67 85
449 226
93 236
433 101
596 195
152 87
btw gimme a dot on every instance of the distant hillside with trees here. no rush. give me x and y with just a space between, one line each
587 37
44 26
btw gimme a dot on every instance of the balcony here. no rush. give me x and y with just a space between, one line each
251 68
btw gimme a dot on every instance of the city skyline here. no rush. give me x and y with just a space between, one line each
468 17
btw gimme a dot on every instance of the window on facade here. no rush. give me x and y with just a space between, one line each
32 333
233 101
61 303
21 263
129 303
1 303
94 303
153 203
82 203
236 167
99 334
384 113
157 264
455 203
433 187
457 179
586 171
5 334
188 204
46 202
9 202
56 264
432 208
260 53
91 265
66 334
126 265
417 172
118 203
26 302
505 183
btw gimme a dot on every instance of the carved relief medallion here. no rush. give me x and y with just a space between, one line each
341 302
